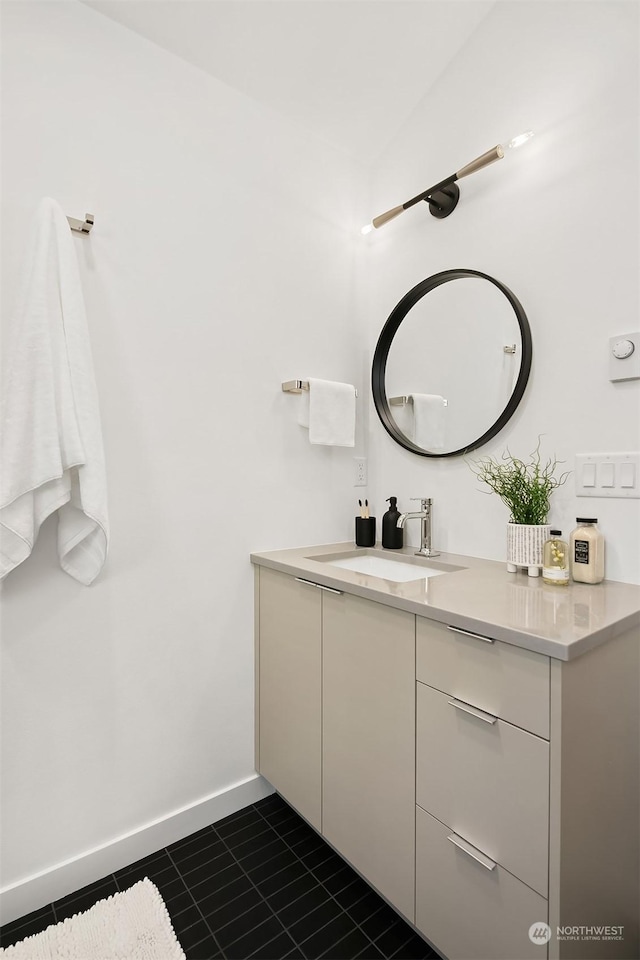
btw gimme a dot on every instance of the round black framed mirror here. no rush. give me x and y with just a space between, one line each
449 370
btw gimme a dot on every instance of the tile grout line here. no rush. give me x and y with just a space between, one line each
197 906
264 900
331 896
199 850
234 832
412 930
317 881
9 925
200 866
223 887
355 923
237 832
257 849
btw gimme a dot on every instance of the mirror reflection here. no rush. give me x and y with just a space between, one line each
455 365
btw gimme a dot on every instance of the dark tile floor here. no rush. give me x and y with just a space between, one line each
261 884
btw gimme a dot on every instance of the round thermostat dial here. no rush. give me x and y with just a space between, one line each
623 349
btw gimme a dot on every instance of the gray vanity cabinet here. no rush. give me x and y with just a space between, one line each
527 798
485 789
482 820
368 786
289 706
336 708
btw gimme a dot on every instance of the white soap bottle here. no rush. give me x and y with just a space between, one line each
587 551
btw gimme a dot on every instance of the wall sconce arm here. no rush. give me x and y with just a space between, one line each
443 197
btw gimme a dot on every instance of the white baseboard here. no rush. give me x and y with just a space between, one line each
37 891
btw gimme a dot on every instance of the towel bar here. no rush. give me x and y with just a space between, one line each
408 399
82 226
297 386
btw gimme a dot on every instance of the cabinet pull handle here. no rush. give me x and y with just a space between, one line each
472 852
320 586
466 708
468 633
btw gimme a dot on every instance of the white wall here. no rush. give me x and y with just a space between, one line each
221 263
557 222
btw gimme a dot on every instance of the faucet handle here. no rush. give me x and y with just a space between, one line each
425 501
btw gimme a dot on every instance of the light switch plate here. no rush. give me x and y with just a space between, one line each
625 366
607 475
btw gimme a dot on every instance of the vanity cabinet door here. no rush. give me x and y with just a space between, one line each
369 742
467 904
290 667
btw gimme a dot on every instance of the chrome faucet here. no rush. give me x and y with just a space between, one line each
424 514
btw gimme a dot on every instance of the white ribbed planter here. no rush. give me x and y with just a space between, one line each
525 542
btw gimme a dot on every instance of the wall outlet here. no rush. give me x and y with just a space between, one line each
360 472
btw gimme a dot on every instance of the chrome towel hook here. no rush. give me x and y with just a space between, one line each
82 226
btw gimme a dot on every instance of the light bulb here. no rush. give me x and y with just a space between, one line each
368 227
520 139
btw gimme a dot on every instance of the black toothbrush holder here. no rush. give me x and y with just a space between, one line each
365 531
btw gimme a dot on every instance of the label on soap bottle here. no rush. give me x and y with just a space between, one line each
581 551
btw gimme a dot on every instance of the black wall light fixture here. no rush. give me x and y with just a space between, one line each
443 197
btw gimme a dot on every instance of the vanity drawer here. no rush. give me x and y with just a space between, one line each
471 909
504 680
488 780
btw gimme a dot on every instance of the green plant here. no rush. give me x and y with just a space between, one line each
525 488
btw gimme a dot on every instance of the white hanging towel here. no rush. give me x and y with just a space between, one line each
428 420
328 409
52 453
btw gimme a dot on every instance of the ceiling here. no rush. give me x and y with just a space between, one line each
349 71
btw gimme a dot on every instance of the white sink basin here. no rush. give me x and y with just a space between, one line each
399 570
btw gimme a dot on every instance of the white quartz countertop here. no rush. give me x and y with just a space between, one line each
561 622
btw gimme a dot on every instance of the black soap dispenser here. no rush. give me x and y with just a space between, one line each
392 535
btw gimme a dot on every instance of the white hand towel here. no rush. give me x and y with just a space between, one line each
52 454
329 410
428 420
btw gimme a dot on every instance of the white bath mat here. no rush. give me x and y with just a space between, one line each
133 925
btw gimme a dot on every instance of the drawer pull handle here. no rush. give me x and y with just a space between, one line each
472 852
480 714
320 586
468 633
